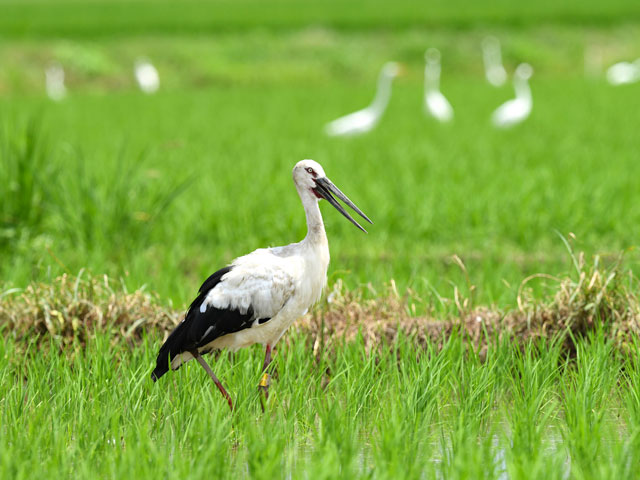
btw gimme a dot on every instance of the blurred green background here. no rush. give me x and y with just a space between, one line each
160 190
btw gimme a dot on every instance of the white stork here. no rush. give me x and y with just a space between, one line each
435 103
366 119
518 109
258 296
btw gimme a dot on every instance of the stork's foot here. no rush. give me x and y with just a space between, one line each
263 387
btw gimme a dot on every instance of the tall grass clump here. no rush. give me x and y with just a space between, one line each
60 210
530 377
113 207
29 178
588 384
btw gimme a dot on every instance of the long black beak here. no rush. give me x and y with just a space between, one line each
325 187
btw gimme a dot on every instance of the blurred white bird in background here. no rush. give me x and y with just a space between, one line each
366 119
624 72
435 103
492 56
146 76
517 110
54 75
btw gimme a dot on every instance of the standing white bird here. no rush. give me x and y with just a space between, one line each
366 119
623 73
518 109
258 296
492 56
435 103
54 75
147 76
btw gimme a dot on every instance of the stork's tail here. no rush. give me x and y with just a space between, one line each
172 347
162 365
178 341
158 372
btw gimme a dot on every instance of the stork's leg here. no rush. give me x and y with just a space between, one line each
206 366
266 378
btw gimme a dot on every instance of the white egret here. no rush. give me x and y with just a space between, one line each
366 119
492 56
54 76
435 103
147 76
258 296
518 109
623 73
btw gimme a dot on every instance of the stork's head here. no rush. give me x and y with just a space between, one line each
311 180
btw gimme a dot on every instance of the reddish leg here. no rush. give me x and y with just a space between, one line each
267 358
206 366
265 381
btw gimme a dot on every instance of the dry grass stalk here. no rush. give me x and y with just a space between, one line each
74 309
599 296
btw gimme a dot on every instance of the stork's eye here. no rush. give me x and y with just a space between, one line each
310 170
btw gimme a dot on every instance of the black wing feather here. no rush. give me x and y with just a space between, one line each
199 328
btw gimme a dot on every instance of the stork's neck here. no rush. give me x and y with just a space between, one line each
383 93
315 226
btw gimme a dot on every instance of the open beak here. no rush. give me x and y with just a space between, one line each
325 188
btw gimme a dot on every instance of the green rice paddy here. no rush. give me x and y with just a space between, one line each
402 413
159 191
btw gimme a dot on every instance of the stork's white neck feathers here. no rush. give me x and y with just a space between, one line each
316 233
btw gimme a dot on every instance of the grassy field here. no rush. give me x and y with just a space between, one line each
401 414
163 189
156 192
77 18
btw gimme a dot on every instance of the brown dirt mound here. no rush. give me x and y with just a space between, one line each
74 309
598 296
